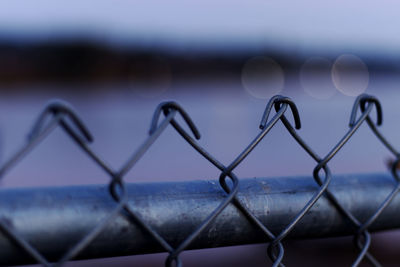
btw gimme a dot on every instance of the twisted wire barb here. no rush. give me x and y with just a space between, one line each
322 164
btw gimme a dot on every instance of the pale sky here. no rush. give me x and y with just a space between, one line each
326 25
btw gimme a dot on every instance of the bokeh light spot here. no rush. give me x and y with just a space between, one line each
350 75
262 77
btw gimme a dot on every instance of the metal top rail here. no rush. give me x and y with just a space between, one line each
55 218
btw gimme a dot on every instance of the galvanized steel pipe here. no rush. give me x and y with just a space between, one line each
53 219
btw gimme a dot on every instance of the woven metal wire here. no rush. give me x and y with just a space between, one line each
60 114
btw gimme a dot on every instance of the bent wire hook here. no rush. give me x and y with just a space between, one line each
167 108
277 102
58 107
58 110
361 102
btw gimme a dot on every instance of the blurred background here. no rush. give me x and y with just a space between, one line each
222 61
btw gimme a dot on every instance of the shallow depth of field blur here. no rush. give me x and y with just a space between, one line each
114 62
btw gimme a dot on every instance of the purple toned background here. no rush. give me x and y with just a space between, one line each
222 61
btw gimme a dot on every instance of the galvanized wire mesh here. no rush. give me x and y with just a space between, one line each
59 114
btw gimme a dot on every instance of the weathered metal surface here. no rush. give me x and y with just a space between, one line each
54 219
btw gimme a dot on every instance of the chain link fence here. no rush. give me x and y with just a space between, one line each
59 114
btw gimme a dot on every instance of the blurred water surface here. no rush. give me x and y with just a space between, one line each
226 115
